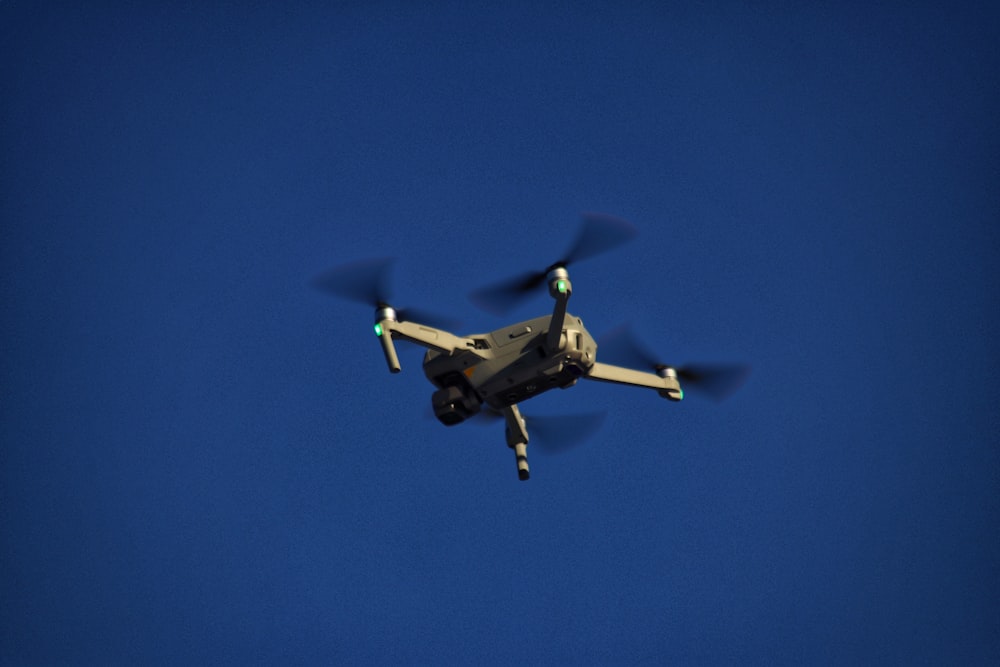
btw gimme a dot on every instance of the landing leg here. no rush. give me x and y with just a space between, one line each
517 439
521 452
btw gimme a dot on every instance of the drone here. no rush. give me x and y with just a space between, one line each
490 374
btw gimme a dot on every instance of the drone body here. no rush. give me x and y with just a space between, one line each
507 367
494 372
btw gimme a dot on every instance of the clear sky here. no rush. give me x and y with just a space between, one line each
203 460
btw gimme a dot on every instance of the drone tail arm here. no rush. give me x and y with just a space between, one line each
666 384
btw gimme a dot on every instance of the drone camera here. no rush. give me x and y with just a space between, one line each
454 404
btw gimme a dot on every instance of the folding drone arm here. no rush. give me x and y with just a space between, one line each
664 381
387 329
560 288
517 439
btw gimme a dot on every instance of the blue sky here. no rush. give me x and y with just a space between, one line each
203 459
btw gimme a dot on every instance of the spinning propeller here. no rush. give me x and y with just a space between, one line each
367 282
598 233
556 433
717 381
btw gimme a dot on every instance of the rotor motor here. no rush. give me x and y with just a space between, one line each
672 391
558 279
385 312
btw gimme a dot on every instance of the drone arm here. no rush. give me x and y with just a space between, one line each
560 288
384 331
664 383
429 337
517 439
425 336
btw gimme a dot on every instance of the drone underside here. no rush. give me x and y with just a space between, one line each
508 366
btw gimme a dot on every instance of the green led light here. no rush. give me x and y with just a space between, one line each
561 286
682 394
378 330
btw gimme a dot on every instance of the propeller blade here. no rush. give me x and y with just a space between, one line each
718 381
556 434
621 347
365 282
598 233
488 415
431 319
501 297
368 282
552 433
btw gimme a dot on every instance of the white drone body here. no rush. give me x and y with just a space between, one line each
492 373
512 364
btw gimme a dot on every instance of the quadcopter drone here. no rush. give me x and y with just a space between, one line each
492 373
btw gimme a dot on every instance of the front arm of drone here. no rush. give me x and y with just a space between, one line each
560 288
387 328
664 381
